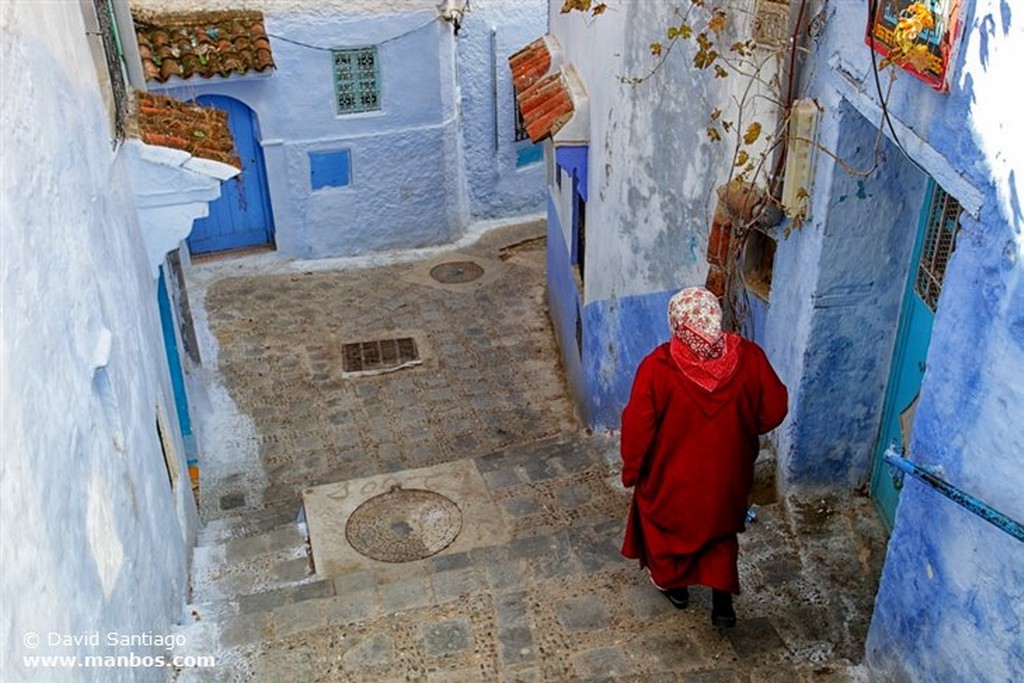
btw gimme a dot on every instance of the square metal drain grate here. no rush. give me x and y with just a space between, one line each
381 354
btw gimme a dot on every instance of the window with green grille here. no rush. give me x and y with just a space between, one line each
356 80
939 242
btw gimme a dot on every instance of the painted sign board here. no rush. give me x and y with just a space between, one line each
933 68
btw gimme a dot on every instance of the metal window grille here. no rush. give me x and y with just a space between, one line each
521 133
115 65
356 80
939 242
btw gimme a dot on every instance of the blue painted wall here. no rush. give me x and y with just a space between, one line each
406 187
951 599
425 165
619 336
617 332
94 538
864 229
565 310
648 176
499 185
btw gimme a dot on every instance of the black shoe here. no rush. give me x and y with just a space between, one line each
723 619
722 613
679 597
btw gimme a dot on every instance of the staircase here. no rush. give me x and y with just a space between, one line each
246 568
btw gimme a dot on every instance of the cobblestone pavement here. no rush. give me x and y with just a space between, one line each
553 599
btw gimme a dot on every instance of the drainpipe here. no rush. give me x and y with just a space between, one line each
494 83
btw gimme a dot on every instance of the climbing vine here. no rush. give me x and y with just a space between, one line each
705 26
755 121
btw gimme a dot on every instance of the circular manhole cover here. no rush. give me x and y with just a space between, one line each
456 272
403 525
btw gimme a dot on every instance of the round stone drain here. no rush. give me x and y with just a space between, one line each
403 525
456 272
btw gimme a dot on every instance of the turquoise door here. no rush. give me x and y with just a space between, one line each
241 216
167 326
936 235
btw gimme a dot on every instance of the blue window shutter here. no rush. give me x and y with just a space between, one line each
330 169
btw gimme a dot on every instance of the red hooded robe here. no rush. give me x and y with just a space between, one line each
689 454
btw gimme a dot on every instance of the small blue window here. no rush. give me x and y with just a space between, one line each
330 169
528 153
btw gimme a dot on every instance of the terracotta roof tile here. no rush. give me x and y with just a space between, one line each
200 131
204 44
530 64
546 106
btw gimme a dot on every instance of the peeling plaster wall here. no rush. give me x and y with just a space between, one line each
423 166
951 598
92 537
652 176
497 188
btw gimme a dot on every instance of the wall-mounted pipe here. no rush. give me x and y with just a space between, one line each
494 84
961 498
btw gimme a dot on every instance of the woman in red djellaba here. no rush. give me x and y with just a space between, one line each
690 435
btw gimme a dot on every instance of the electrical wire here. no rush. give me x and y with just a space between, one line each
882 100
332 49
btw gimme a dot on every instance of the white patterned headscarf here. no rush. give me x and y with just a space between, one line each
695 318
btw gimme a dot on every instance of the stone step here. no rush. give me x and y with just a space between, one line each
260 562
249 522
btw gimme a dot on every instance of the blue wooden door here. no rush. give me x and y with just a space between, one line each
936 235
241 216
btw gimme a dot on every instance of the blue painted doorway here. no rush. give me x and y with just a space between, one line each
936 239
167 326
241 216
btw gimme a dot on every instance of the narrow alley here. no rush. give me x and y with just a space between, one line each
519 578
320 321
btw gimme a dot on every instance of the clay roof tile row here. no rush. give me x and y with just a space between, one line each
204 44
201 131
530 64
544 97
546 106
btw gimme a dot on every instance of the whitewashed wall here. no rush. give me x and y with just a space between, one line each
492 31
653 170
652 177
93 540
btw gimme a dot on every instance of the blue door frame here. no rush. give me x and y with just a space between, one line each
241 217
908 366
177 371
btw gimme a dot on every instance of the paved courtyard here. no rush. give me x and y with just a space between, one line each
528 583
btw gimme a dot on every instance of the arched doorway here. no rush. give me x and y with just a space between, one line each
241 216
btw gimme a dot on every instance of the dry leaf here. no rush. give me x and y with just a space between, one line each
717 21
753 133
